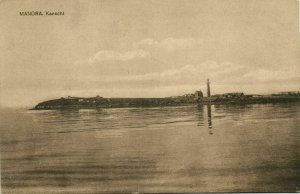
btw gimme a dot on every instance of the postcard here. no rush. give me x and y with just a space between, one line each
132 96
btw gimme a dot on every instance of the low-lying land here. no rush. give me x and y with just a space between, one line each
100 102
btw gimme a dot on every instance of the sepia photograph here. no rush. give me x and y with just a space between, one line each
149 96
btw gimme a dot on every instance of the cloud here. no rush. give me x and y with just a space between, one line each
108 55
220 73
193 72
266 75
138 50
168 44
188 74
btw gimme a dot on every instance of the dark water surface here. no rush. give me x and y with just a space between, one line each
217 148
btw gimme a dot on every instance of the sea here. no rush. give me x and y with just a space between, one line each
182 149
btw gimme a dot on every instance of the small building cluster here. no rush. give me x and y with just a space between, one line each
230 95
198 95
292 93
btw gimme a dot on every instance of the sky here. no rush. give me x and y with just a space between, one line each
150 48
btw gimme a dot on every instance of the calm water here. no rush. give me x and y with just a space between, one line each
166 149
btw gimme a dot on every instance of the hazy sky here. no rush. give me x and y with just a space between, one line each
147 48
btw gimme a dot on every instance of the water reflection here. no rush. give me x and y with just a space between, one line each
200 115
209 120
201 119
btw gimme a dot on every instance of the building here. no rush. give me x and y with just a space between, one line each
232 95
290 93
71 97
198 94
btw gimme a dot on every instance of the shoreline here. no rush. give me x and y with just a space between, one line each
95 103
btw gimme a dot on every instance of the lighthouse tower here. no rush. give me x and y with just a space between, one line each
208 88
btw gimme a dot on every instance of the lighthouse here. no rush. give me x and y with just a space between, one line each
208 88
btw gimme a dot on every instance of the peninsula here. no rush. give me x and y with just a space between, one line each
195 98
